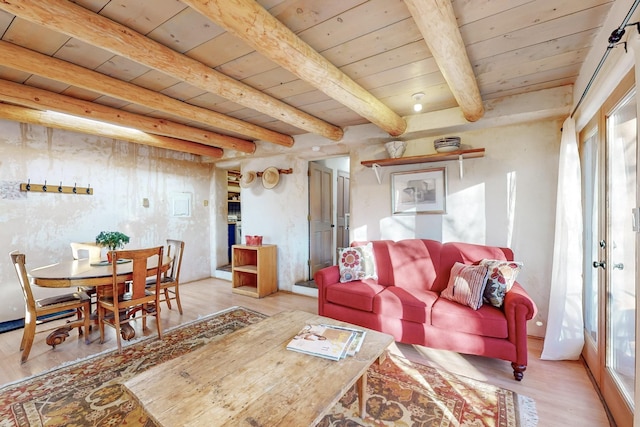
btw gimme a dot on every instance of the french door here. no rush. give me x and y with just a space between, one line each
609 163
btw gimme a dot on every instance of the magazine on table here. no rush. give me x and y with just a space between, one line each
328 341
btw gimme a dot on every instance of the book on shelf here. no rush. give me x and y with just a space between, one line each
328 341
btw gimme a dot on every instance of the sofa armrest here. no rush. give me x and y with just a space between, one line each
323 278
518 309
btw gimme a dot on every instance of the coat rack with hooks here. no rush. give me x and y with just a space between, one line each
49 188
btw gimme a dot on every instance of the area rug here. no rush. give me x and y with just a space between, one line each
90 392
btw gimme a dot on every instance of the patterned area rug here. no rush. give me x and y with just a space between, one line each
90 392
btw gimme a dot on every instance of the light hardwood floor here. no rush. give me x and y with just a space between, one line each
563 392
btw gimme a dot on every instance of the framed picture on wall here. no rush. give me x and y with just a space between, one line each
419 192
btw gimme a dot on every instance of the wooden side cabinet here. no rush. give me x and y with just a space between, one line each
254 270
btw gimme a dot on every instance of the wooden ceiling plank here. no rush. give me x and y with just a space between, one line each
299 15
402 55
350 24
75 124
220 50
34 37
438 25
579 41
75 21
562 27
44 100
249 21
53 68
141 16
83 54
185 30
372 44
526 15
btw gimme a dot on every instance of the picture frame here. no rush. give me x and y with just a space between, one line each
419 192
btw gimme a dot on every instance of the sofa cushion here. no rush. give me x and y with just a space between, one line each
466 284
414 263
412 305
466 253
487 321
358 294
500 279
357 263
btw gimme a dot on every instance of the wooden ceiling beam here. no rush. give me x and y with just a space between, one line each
250 22
32 62
56 120
437 23
75 21
41 99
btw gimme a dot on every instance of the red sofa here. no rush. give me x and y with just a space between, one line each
405 301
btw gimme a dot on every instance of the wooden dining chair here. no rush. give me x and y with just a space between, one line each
113 309
55 307
170 282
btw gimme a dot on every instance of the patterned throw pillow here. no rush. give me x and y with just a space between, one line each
500 279
466 284
357 263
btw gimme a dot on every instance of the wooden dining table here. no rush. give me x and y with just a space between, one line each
85 272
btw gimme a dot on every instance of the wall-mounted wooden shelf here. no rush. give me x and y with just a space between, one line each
437 157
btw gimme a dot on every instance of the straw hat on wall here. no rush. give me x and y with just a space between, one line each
247 179
270 177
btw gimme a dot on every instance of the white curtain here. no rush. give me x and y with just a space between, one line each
564 336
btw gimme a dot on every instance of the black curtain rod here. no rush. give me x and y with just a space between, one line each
614 38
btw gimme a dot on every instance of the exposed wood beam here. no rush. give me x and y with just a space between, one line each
437 23
250 22
31 62
75 124
74 20
40 99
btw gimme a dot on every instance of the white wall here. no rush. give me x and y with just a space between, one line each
121 174
506 198
280 215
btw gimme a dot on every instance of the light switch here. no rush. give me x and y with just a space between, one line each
145 202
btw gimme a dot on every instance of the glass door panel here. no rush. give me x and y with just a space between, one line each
621 254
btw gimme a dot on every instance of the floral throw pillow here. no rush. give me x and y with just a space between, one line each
466 284
500 279
357 263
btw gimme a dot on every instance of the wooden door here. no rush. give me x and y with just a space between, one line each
343 209
320 217
609 163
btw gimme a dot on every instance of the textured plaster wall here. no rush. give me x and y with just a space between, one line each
507 198
280 215
121 174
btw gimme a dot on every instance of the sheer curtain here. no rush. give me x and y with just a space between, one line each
564 336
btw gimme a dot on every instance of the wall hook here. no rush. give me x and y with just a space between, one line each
60 187
75 188
44 187
89 189
29 184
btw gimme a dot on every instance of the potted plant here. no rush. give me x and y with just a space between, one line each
112 240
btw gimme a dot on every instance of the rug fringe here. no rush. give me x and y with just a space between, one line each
528 412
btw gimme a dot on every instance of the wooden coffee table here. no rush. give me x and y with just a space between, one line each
249 378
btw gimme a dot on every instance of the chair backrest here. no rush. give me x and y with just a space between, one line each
18 259
79 250
175 249
142 260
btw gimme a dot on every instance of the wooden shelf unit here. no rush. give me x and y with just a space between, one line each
254 270
437 157
233 186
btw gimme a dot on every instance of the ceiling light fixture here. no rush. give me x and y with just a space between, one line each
417 106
